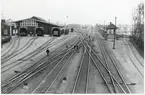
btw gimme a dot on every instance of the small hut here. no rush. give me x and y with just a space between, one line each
110 30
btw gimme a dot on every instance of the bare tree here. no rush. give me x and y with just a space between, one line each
138 19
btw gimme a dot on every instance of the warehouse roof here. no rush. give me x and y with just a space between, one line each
38 19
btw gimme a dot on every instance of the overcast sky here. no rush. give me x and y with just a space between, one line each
78 11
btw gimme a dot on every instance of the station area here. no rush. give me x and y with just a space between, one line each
72 47
82 61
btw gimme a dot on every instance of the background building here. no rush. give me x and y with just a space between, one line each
124 30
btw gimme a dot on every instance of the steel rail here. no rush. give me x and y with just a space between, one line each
28 56
117 69
60 71
135 66
15 53
58 53
51 72
107 69
105 59
73 90
109 88
10 48
131 47
23 72
27 76
88 72
9 44
105 66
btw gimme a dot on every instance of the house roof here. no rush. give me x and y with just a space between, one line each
38 19
111 26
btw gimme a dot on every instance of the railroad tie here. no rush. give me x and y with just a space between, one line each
121 83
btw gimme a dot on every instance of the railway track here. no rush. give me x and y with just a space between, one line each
101 71
138 67
26 57
29 69
14 82
81 80
104 71
9 44
30 55
15 53
115 70
80 85
132 47
44 85
107 65
122 87
10 48
56 52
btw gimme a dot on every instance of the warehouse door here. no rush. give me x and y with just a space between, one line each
39 32
23 32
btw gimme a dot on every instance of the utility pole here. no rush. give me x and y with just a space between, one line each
49 20
104 24
114 34
66 20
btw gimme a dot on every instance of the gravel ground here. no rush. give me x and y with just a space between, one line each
38 42
96 83
32 83
126 67
35 45
69 72
23 42
130 73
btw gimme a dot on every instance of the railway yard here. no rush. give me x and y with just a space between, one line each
93 67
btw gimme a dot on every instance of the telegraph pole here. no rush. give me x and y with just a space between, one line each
114 34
